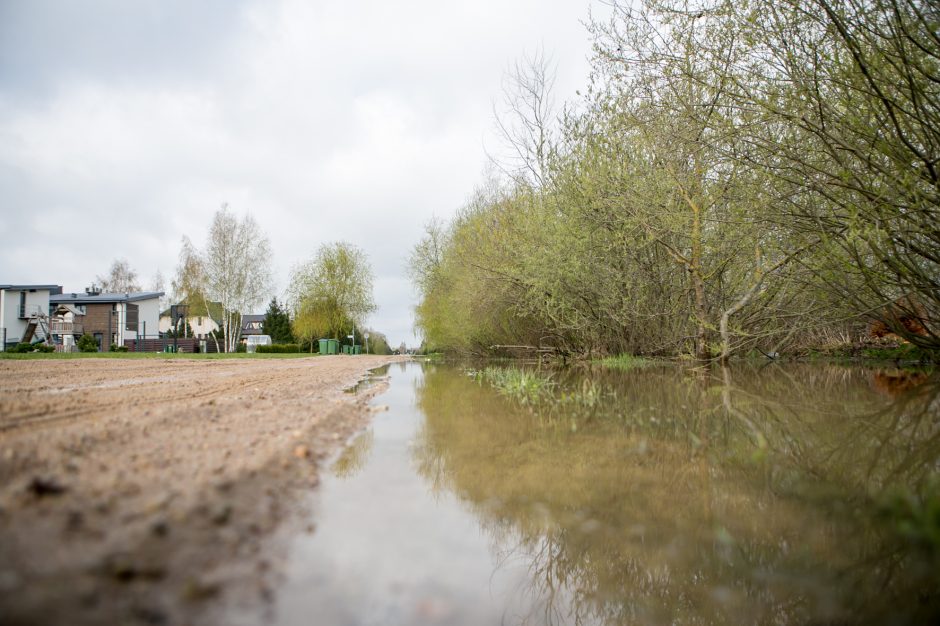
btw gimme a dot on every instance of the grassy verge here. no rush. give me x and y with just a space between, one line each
149 355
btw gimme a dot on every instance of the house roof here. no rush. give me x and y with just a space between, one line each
52 288
249 319
215 310
103 298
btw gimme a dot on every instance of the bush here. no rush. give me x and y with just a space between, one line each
241 348
87 343
26 348
117 348
278 348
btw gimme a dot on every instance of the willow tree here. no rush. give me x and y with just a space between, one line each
332 292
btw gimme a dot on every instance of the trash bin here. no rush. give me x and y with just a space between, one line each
357 349
333 347
324 346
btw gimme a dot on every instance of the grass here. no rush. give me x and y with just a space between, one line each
149 355
624 362
525 386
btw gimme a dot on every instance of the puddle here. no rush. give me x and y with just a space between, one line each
676 497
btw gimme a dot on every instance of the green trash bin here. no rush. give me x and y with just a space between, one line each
332 347
324 346
357 349
346 350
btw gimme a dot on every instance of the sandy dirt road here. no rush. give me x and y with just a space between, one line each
147 491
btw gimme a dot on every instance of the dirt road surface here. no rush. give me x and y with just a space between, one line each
147 491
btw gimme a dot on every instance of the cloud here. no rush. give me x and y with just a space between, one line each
125 125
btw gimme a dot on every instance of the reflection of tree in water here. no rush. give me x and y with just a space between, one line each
708 497
354 457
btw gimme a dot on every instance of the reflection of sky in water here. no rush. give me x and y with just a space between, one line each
691 498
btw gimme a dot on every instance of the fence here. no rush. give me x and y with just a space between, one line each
156 343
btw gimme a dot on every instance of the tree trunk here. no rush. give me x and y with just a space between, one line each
698 285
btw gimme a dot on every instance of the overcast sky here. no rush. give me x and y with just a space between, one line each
125 125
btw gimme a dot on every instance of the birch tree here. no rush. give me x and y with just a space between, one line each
121 278
233 270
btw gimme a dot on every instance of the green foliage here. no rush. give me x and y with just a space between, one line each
278 348
116 348
87 343
277 323
694 203
625 362
524 386
331 293
26 348
241 348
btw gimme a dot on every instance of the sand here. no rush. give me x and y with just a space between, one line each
148 491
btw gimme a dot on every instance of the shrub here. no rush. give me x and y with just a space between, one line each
43 347
87 343
278 348
241 348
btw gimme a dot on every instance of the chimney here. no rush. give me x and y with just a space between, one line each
94 290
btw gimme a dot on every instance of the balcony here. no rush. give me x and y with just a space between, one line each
58 327
27 311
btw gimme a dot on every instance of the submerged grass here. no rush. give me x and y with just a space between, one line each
624 361
525 386
540 391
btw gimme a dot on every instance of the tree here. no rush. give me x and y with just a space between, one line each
526 121
857 85
233 270
332 292
158 283
121 278
277 323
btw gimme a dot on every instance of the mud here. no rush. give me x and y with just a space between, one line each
148 491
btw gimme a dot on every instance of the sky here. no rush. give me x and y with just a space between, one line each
125 125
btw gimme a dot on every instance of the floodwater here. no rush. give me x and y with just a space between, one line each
662 495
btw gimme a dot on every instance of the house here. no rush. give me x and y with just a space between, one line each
203 319
252 325
24 312
111 318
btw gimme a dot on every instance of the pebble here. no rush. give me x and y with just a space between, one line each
301 452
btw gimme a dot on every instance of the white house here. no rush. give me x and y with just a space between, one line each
21 309
199 322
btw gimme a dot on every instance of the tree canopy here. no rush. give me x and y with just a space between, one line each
331 293
121 278
737 176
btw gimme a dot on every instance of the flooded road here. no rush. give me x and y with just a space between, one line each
776 495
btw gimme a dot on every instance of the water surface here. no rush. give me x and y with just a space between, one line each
656 496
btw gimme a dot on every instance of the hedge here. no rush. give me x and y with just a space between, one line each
279 348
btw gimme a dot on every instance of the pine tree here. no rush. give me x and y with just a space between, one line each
277 323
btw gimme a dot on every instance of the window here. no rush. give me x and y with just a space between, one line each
199 322
22 304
